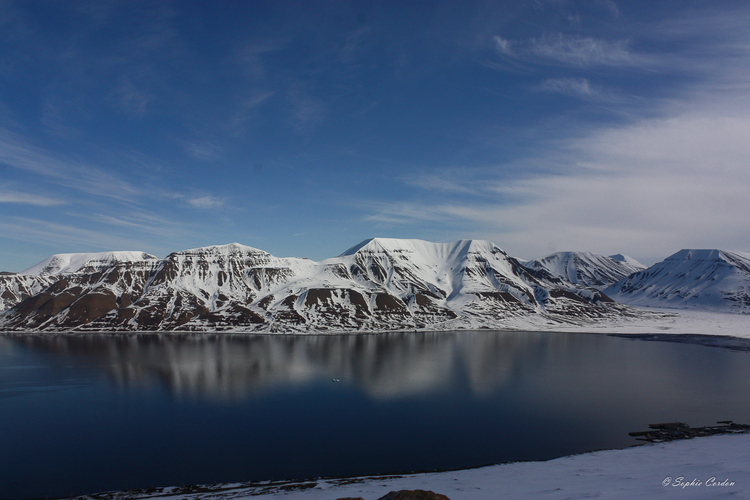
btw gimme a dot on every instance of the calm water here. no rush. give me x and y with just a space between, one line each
87 414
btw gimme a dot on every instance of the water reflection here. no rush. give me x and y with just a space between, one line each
115 412
388 365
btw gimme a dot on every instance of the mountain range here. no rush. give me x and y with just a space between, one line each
586 268
378 285
715 280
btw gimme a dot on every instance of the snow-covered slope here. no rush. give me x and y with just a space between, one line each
586 268
628 260
690 279
67 263
380 284
15 288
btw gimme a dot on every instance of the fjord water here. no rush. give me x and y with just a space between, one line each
83 414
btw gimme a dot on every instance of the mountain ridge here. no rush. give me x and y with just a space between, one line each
587 268
690 278
379 284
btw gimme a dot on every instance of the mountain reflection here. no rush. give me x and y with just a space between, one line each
387 365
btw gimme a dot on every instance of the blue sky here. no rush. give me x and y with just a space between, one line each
302 128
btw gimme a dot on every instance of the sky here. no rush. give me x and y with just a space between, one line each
304 127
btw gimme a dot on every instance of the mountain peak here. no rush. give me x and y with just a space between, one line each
421 246
699 278
707 254
585 268
68 263
627 260
229 248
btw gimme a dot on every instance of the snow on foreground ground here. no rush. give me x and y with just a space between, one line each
672 321
708 467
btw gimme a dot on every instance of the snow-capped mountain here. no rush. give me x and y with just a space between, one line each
586 268
14 288
701 279
380 284
68 263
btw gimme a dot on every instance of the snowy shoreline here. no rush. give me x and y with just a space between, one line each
661 322
706 467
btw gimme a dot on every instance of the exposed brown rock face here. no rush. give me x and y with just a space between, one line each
14 288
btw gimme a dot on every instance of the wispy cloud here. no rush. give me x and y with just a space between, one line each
133 100
305 110
578 87
579 51
444 181
404 212
203 150
29 199
611 6
46 233
206 202
17 153
569 50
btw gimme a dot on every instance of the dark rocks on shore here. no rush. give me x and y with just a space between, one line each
406 495
679 430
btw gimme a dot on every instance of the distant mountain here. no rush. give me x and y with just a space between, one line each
586 268
379 284
628 260
696 279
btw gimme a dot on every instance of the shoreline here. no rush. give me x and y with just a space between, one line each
711 329
656 322
649 470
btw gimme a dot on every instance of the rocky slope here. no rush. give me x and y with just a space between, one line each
697 279
586 268
14 288
380 284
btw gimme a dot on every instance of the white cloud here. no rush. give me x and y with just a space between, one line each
504 46
28 199
578 51
677 177
206 202
570 50
647 190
